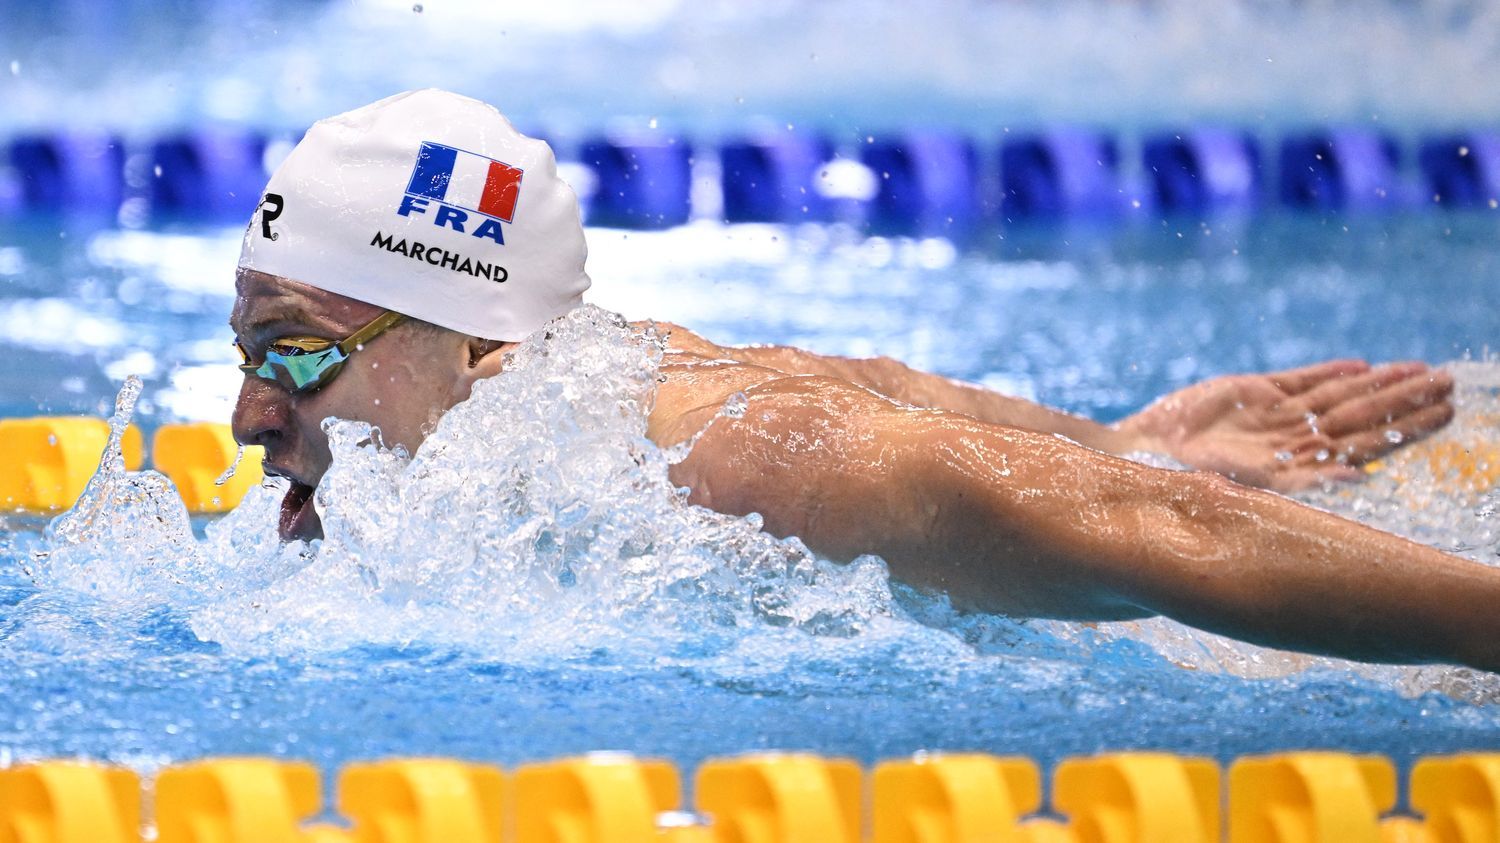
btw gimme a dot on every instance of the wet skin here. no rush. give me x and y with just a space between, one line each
949 486
1014 521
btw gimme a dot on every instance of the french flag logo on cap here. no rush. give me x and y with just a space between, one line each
466 180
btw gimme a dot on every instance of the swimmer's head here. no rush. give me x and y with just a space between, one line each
429 204
401 380
426 204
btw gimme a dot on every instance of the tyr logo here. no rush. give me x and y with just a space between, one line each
270 208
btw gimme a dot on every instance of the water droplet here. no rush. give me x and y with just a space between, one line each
239 454
680 819
1394 437
735 406
1284 456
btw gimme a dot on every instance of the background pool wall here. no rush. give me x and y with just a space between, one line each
839 65
919 182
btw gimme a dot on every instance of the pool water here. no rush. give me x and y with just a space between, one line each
594 610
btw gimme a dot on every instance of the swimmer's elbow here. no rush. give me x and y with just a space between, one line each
1196 559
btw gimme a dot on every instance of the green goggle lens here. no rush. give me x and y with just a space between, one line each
309 364
302 372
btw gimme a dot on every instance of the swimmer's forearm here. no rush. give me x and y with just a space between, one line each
1264 569
1261 568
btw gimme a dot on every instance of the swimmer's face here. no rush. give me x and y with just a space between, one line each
401 382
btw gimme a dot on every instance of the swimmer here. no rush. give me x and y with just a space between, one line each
403 248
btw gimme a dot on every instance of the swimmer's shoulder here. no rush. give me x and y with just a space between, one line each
697 377
681 341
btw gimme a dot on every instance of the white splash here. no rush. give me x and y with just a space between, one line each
536 517
140 513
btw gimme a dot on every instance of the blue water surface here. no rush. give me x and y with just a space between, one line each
1094 322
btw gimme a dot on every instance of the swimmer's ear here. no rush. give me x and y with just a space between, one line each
485 359
487 355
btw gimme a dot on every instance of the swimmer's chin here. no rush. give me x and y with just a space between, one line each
299 515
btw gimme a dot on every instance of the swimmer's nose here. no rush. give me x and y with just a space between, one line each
260 415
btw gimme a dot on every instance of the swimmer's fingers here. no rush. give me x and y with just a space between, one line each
1400 406
1313 475
1313 461
1316 461
1298 381
1337 391
1371 444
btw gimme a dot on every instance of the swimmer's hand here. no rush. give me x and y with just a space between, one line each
1296 429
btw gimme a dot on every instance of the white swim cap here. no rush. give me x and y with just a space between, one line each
430 204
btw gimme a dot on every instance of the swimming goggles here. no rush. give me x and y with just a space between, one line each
307 364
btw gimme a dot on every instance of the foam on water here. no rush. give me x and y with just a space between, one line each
537 523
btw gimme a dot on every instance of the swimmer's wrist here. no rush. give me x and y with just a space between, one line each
1126 438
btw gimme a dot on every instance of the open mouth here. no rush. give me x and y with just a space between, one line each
299 517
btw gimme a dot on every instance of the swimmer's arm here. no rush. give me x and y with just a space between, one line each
1016 522
1286 430
897 380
